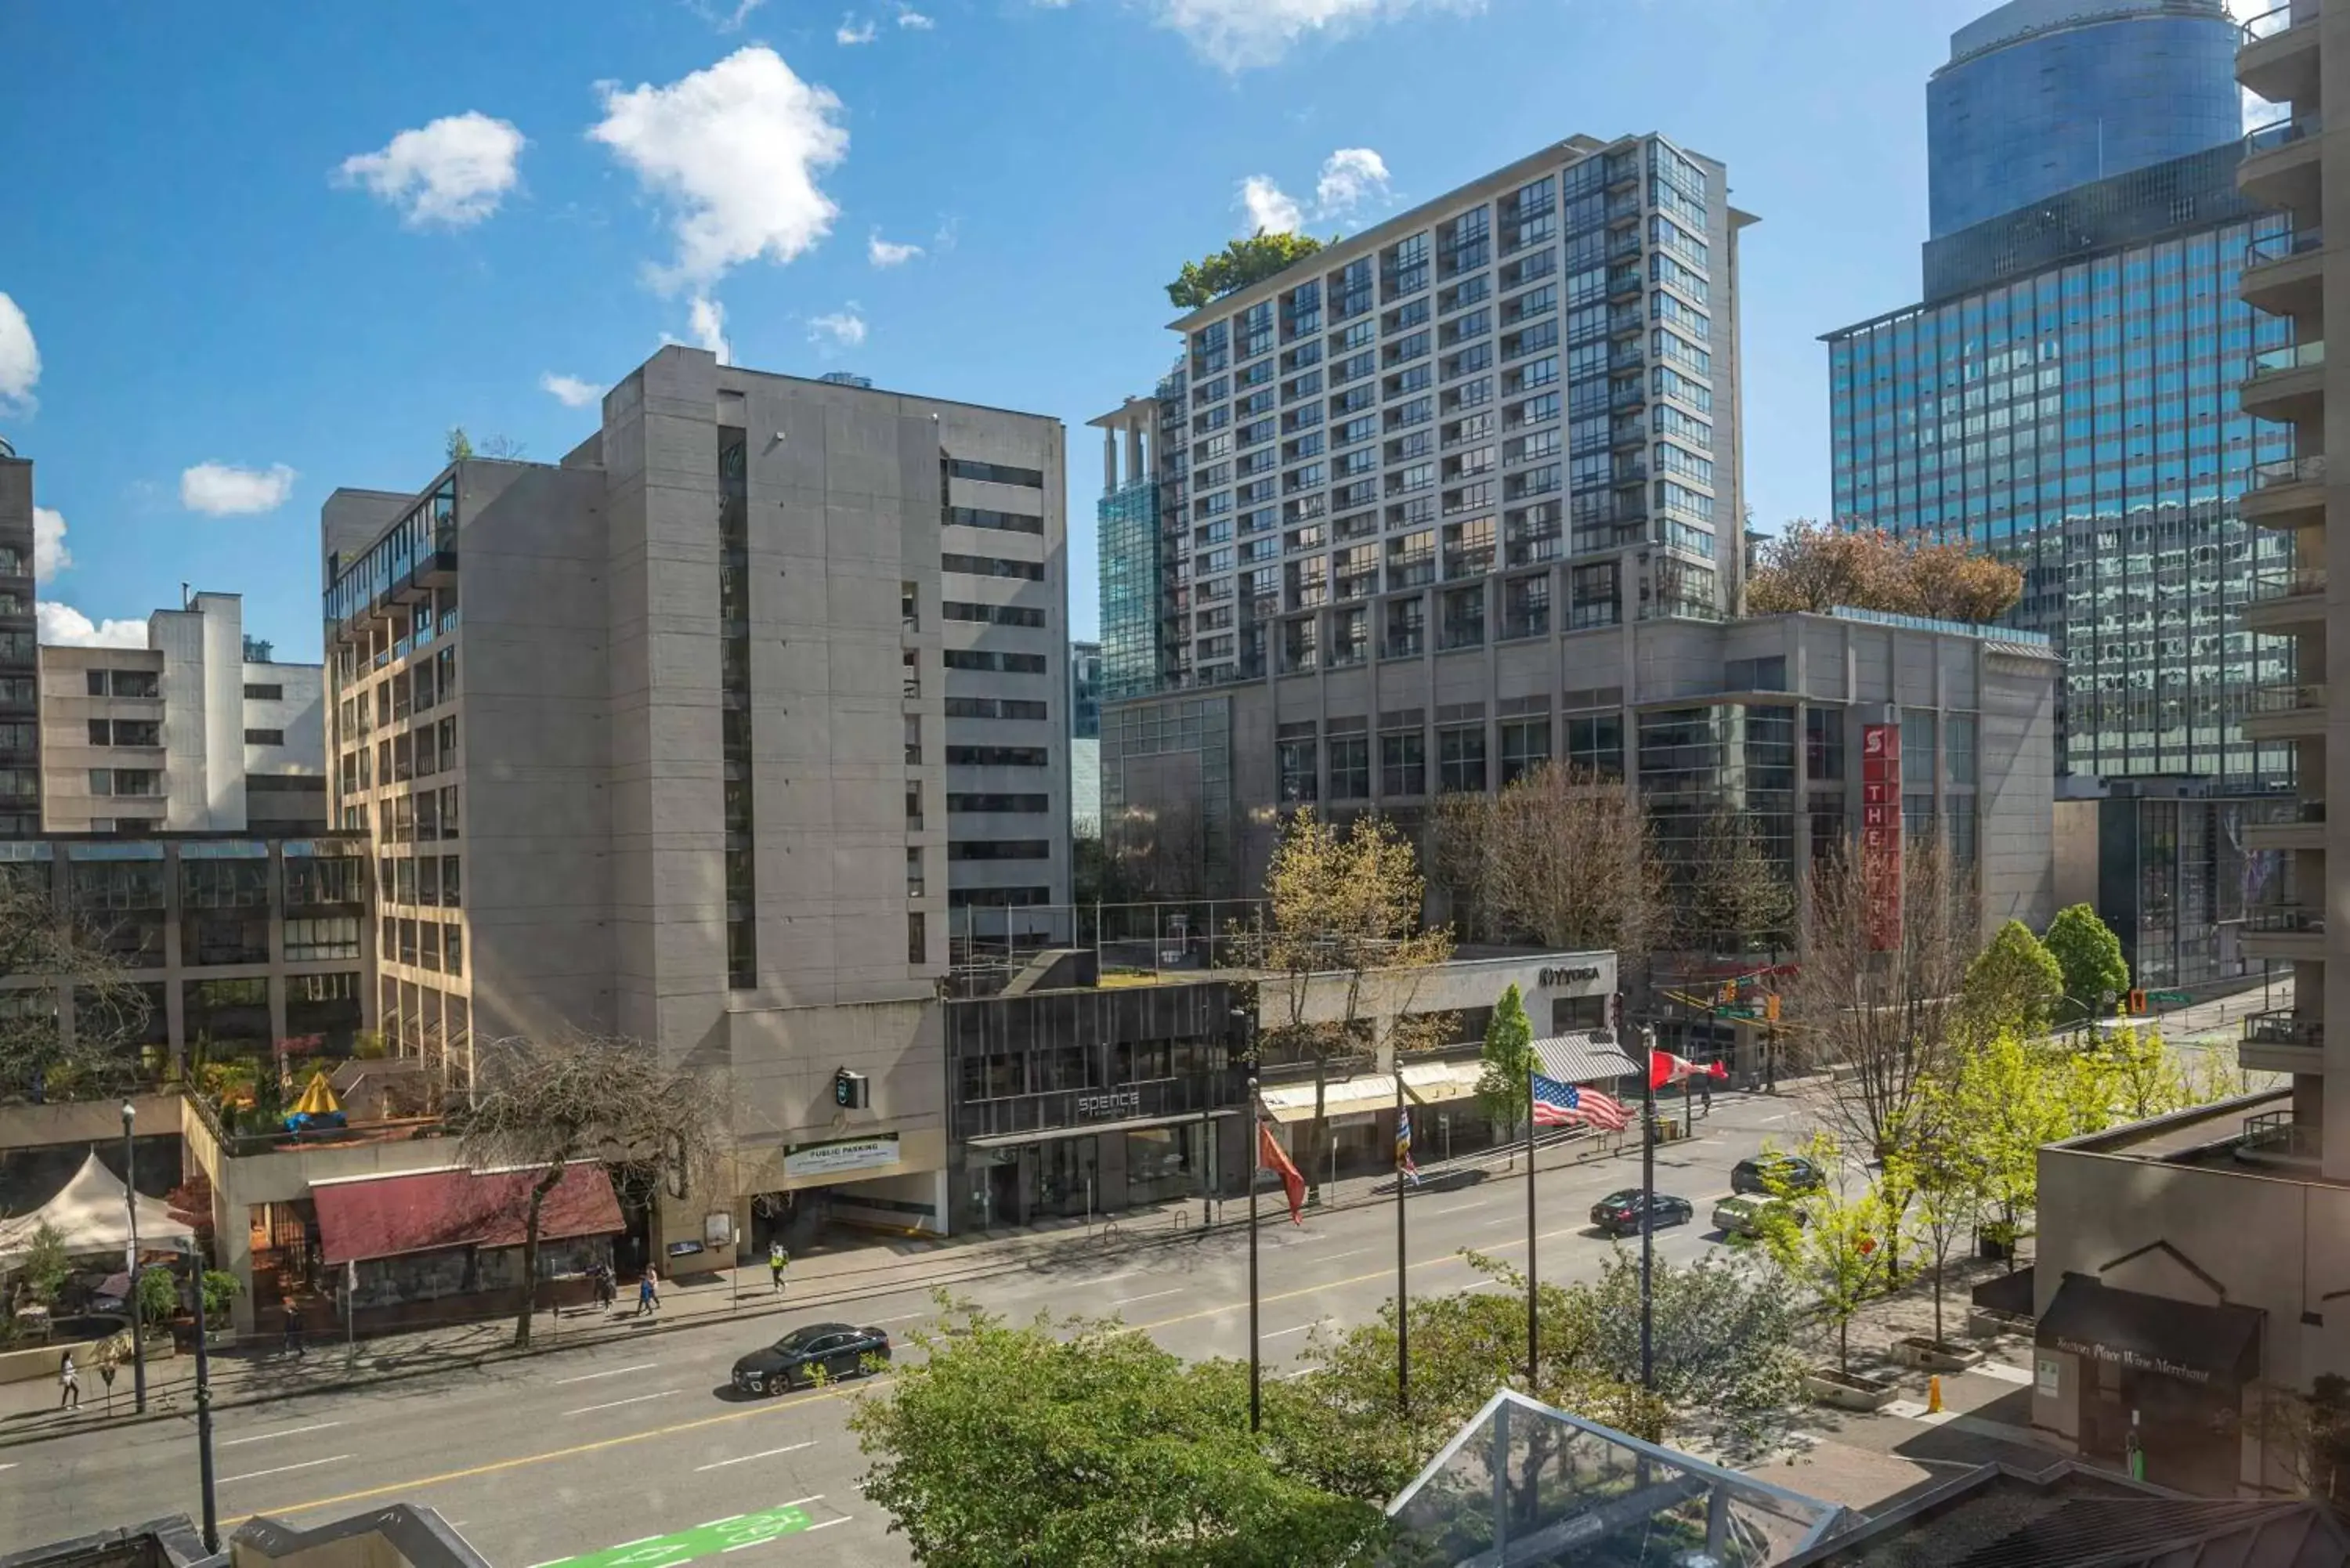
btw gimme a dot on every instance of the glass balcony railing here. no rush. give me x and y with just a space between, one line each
2280 361
2289 471
2288 699
2274 248
2304 919
2280 1026
2295 584
2284 134
2280 19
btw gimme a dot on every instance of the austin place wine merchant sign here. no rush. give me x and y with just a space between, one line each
2136 1360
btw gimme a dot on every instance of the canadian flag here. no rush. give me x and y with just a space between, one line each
1271 1156
1664 1067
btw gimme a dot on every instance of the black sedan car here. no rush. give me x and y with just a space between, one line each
832 1350
1777 1175
1618 1213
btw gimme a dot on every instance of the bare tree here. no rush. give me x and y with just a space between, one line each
1572 860
1730 896
1157 850
1460 851
1341 945
43 946
1889 1016
545 1105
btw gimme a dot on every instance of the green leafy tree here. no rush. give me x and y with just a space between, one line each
2013 983
2089 956
1338 1426
1834 1245
1725 1342
220 1293
459 446
46 1265
2143 1076
1237 266
1084 1444
1937 1173
1509 1057
158 1295
2003 1100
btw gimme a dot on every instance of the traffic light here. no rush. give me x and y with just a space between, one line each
1770 1007
2137 1003
849 1090
1726 994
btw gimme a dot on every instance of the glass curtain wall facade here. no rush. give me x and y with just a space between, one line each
2080 420
2042 95
1128 521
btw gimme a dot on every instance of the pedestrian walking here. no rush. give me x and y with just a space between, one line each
1706 1090
68 1384
777 1261
293 1330
648 1293
604 1288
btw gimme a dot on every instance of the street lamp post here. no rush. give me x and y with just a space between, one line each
204 1415
131 1202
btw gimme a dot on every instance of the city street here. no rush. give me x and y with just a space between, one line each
640 1444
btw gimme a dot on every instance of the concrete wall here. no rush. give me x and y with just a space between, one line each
67 757
781 1086
299 715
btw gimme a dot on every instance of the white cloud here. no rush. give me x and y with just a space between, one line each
888 253
20 356
910 18
852 32
707 322
1269 209
64 625
51 556
569 390
725 22
737 150
1239 33
843 329
223 490
454 171
1348 176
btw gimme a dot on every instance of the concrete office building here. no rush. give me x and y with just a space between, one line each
20 717
2063 398
190 734
748 694
2186 1263
1763 716
2043 96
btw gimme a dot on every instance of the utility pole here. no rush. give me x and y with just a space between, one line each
205 1415
131 1202
1403 1292
1534 1274
1648 1206
1256 1159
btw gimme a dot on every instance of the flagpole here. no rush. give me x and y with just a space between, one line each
1648 1206
1403 1293
1534 1330
1256 1161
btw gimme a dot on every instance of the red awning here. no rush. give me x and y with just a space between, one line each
385 1215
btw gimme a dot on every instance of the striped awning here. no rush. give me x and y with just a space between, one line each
1431 1082
1591 1056
1294 1102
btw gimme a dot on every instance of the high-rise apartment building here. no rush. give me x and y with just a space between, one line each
748 695
2064 398
2216 1229
20 678
2041 97
189 734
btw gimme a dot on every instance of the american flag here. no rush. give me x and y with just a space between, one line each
1558 1105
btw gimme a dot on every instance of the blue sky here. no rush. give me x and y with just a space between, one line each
264 251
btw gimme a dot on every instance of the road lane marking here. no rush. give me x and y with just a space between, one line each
1350 1253
827 1524
281 1469
1154 1295
1300 1328
616 1404
714 1523
1457 1207
901 1318
265 1437
746 1459
1301 1372
615 1372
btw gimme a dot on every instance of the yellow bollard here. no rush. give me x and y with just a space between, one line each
1934 1394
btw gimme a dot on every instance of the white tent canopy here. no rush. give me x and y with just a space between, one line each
89 1214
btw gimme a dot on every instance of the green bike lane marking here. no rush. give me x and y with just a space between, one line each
719 1535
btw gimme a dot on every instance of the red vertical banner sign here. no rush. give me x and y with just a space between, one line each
1880 832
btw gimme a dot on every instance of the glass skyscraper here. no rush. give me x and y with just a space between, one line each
2042 95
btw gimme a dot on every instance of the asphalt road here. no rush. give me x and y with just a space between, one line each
640 1445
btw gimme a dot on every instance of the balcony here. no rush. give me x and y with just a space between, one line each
2305 829
2286 713
2281 167
2287 494
2276 55
2287 600
2280 1041
2285 384
2282 275
2286 931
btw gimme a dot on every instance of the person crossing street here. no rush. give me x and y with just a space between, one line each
777 1261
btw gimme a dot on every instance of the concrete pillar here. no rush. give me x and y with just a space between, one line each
1133 452
1109 461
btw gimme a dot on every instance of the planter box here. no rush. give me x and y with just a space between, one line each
1828 1387
1934 1354
1984 1322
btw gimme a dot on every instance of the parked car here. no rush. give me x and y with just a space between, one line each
1745 1216
1777 1174
1618 1213
834 1349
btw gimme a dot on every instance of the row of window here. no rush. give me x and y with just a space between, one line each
424 944
141 683
993 567
995 472
992 615
432 880
993 708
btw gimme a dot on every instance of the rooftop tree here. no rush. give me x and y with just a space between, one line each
1237 266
